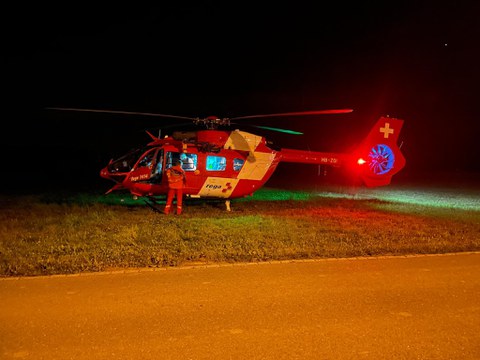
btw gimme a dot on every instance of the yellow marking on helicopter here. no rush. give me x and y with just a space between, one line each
241 140
257 163
256 166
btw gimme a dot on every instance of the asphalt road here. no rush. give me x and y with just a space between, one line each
425 307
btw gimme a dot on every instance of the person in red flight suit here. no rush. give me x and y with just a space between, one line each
176 181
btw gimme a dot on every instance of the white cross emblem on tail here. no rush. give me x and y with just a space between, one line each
386 130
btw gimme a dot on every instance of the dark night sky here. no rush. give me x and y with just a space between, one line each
416 60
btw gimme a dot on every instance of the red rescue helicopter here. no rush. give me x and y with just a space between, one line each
222 164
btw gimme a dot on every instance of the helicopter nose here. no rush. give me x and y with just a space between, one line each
104 173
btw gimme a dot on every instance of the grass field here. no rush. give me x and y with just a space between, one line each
64 233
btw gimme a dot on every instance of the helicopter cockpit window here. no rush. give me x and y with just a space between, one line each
189 161
237 164
147 160
157 169
216 163
126 162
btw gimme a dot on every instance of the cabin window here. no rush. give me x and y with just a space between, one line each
189 161
237 164
216 163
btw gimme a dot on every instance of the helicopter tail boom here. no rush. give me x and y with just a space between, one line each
313 157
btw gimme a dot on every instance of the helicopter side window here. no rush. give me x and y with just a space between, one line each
237 164
189 161
216 163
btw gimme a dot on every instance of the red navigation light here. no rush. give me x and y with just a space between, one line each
361 161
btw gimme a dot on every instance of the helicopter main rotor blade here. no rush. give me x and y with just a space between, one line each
286 131
300 113
121 112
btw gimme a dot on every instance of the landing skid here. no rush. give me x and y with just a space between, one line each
159 208
154 206
215 201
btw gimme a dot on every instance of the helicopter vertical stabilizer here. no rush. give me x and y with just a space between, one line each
379 156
